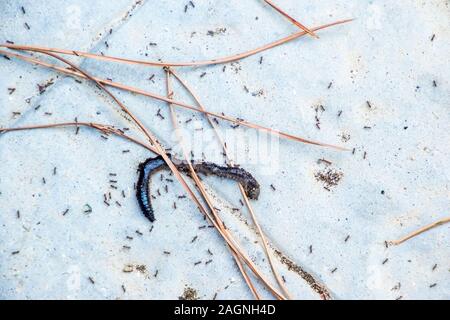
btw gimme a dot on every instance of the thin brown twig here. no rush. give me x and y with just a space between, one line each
200 187
244 195
105 128
419 231
176 64
286 15
174 102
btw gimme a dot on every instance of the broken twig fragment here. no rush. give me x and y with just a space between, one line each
419 231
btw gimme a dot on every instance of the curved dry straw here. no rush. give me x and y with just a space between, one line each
175 64
104 128
199 184
174 102
287 16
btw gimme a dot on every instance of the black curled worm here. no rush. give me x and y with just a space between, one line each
152 165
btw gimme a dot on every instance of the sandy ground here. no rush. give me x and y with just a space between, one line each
395 56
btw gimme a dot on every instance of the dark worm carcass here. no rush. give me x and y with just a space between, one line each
152 165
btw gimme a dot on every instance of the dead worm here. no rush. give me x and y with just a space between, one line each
152 165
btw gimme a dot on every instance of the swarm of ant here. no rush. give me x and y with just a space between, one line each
150 143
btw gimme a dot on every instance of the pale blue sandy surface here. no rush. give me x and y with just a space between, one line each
397 180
